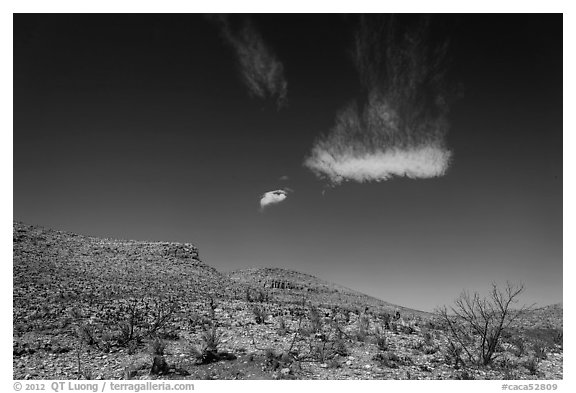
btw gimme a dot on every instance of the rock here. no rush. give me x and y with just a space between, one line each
348 363
285 371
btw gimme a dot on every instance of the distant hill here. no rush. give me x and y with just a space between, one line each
292 286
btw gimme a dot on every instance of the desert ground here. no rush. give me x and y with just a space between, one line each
90 308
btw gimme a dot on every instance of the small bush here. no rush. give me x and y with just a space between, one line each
86 334
315 321
454 355
387 359
211 338
381 340
386 318
418 345
207 351
282 330
519 347
407 329
532 365
539 350
157 347
340 347
363 326
559 338
259 314
431 349
428 338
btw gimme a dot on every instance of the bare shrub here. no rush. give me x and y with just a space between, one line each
475 324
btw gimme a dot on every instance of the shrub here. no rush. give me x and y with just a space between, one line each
381 340
486 318
137 319
363 326
418 345
532 365
340 347
207 352
519 347
539 350
211 338
86 334
157 347
387 359
559 338
259 314
431 349
454 354
407 329
386 318
428 338
282 327
315 321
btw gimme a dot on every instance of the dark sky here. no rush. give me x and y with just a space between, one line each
140 127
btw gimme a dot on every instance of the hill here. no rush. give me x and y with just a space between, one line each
292 287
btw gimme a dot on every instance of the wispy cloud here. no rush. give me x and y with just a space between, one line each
400 126
272 198
261 70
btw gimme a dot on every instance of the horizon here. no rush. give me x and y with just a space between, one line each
149 130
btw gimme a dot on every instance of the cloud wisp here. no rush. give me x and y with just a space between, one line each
398 128
261 70
272 198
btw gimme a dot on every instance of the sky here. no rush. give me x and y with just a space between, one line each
174 127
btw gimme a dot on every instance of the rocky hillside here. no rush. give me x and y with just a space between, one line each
65 270
292 287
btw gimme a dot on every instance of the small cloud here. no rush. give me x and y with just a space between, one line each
262 72
273 197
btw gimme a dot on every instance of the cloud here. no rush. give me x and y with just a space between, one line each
261 70
272 197
423 162
398 126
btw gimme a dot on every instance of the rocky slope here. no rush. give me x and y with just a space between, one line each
291 287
